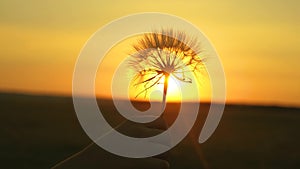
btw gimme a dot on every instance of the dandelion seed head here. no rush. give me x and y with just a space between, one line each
163 53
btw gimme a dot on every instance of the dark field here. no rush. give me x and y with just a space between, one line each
39 131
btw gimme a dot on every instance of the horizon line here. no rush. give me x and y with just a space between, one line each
45 94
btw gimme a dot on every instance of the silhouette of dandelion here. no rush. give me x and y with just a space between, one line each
162 54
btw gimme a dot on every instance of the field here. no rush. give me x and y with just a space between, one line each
39 131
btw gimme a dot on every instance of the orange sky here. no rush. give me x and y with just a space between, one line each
257 41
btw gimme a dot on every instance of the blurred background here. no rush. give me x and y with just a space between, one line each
258 44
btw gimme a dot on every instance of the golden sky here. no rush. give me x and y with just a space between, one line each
257 41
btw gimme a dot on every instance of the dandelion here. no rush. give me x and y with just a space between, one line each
162 54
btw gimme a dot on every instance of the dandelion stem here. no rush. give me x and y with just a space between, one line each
166 82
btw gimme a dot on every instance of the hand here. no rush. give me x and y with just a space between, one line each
95 157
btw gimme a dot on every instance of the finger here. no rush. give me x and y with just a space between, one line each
143 131
132 129
138 130
159 123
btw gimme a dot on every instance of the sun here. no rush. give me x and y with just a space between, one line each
173 89
173 85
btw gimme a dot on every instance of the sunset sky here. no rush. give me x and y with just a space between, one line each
257 41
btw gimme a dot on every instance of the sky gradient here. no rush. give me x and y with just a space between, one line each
257 41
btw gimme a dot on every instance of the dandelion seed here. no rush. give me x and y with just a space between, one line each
162 54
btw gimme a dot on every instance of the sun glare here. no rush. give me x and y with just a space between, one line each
173 89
